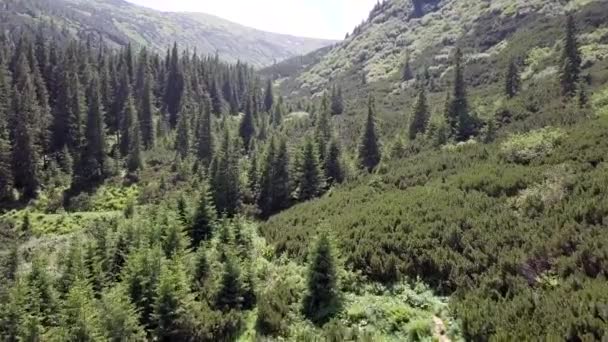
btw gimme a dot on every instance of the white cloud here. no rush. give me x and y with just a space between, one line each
312 18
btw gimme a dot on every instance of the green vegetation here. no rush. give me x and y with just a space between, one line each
164 197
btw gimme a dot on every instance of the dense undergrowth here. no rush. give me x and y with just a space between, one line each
514 230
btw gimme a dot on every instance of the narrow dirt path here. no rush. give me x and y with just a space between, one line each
439 330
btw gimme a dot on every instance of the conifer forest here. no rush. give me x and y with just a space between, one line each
440 174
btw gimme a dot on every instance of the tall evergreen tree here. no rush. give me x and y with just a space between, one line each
322 300
407 73
225 177
205 142
203 222
79 318
337 101
25 112
217 100
334 172
147 114
460 121
119 317
571 60
182 138
128 121
278 113
230 294
6 174
512 80
91 165
420 117
134 158
274 180
323 127
170 307
310 182
247 129
268 97
175 86
369 150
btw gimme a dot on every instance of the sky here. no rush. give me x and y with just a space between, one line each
330 19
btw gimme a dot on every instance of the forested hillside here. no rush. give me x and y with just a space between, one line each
175 196
118 22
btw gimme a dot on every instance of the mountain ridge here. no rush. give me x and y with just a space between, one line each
120 22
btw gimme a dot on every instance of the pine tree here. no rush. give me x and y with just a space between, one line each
369 151
407 73
147 114
337 101
252 174
203 222
72 267
420 116
205 137
24 152
91 166
512 80
217 101
42 299
122 92
175 86
322 300
230 294
310 182
571 60
268 97
334 172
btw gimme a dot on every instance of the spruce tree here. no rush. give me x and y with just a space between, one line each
128 120
230 294
24 152
369 150
268 97
512 80
91 165
247 129
134 158
407 73
201 271
322 300
140 278
225 177
175 86
6 175
147 114
204 146
571 60
337 101
323 127
170 303
458 117
334 172
278 113
310 182
217 100
118 317
182 138
420 117
79 318
203 222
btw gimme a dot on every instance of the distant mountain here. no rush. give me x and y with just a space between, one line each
119 22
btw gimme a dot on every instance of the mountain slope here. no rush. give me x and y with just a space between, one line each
377 48
119 22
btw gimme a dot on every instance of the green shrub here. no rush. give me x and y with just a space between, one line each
524 148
